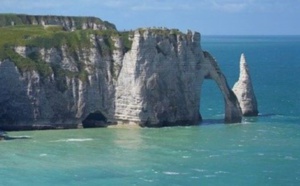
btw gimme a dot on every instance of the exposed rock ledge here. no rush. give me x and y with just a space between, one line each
155 82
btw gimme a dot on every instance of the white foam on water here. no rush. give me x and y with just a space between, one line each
200 170
43 155
213 155
200 150
210 176
289 158
74 140
221 172
155 172
79 140
20 137
171 173
147 180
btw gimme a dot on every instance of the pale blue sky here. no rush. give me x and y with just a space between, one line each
210 17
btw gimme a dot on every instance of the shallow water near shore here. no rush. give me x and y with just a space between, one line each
239 154
262 150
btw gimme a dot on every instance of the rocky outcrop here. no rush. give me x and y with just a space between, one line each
149 77
161 77
159 83
3 135
243 89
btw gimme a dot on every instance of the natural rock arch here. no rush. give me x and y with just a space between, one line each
233 112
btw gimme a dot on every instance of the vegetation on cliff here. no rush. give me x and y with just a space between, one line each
77 22
46 37
38 32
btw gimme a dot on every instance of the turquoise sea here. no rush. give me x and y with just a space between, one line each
263 150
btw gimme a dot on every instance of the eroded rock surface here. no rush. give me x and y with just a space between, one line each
243 89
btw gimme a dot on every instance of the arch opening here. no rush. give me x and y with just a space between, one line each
95 120
233 113
211 103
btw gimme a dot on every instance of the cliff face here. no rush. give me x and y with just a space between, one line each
151 77
70 86
159 83
161 77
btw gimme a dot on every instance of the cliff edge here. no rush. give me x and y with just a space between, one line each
69 23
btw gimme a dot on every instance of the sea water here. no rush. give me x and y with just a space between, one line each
263 150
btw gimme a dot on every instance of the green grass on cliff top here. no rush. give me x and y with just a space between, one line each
47 37
53 37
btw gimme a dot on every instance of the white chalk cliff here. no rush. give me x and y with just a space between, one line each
154 82
243 89
161 77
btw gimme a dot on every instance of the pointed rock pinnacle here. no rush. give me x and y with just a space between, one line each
244 92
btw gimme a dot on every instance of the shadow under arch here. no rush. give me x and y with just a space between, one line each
94 120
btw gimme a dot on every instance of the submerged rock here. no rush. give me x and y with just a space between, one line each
3 135
243 89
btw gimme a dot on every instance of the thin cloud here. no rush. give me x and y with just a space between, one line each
166 6
236 6
37 4
148 7
231 7
225 6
